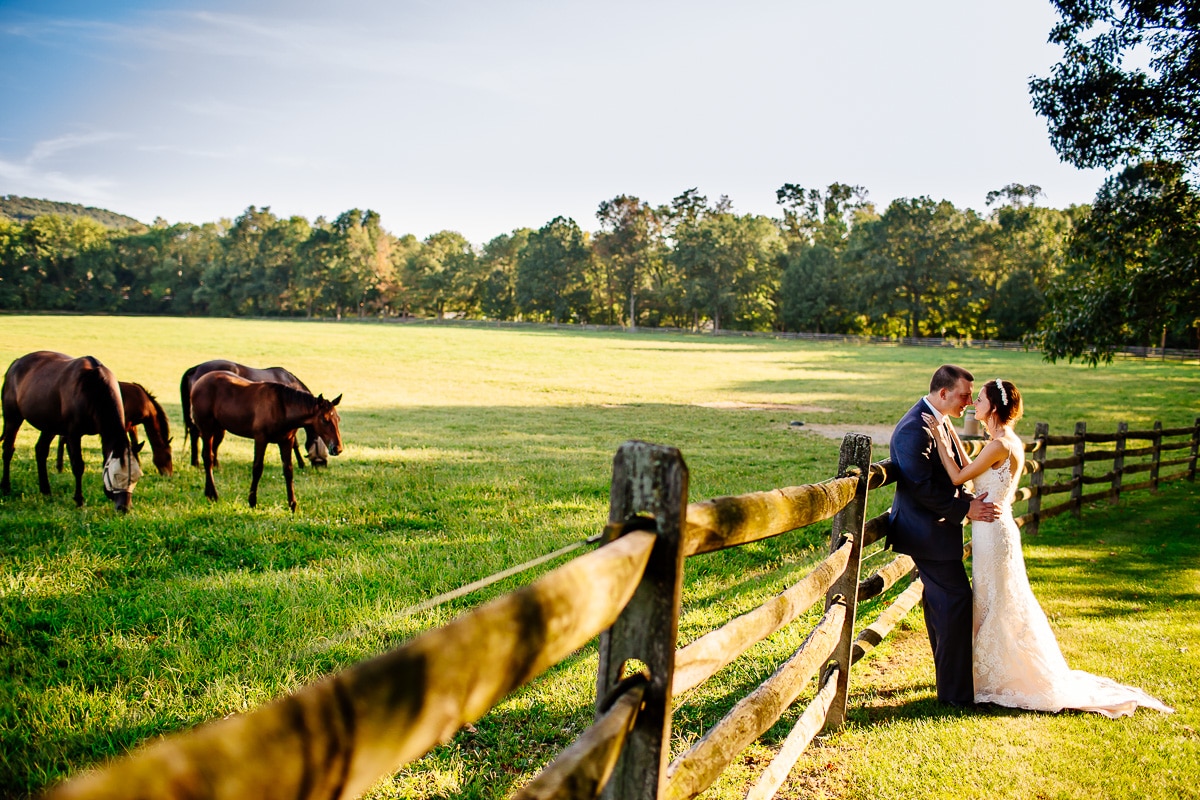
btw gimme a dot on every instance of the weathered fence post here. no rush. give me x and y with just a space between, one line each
1156 456
1118 462
1037 479
855 456
649 491
1077 471
1191 476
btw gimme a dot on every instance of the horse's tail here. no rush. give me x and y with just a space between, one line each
190 431
8 403
185 397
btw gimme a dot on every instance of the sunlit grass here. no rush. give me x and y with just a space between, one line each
472 450
1121 591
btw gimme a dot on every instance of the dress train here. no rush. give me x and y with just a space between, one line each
1016 660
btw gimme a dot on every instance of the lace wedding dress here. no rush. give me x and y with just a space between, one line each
1016 661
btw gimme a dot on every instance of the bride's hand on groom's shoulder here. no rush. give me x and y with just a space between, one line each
935 430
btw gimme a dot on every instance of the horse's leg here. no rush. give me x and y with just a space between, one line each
285 453
75 452
62 443
194 435
260 452
12 422
217 438
41 452
210 488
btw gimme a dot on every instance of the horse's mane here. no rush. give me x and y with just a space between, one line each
299 382
288 393
105 404
158 410
93 385
149 394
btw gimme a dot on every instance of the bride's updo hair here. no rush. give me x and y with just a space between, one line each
1005 400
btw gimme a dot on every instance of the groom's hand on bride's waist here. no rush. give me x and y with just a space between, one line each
981 510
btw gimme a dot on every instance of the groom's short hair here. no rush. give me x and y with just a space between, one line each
947 377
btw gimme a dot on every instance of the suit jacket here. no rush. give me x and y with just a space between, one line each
926 517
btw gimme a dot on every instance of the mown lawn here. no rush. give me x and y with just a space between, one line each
470 450
1121 586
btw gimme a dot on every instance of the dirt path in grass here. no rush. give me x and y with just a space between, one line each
881 435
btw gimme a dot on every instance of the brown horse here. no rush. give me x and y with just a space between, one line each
72 398
318 454
141 408
268 413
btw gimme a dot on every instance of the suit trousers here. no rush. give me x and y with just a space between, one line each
947 604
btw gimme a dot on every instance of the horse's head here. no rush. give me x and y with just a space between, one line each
159 434
327 425
318 452
162 458
121 474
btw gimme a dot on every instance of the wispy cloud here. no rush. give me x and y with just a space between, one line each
23 178
388 49
329 46
71 141
226 154
39 174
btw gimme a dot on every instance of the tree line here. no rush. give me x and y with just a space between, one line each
830 263
1079 282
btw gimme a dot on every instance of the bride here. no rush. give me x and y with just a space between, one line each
1016 660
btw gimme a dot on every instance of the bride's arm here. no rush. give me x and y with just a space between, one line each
995 452
958 442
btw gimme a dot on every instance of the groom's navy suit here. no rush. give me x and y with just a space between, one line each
925 523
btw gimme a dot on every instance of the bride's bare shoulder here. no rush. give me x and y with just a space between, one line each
995 452
1015 448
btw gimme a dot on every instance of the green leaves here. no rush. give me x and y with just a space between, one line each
551 273
1106 102
1133 273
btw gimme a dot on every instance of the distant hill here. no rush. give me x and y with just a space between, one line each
24 209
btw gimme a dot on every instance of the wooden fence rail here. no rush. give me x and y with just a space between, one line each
1121 457
337 737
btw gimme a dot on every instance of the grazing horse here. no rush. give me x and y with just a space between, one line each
268 413
72 398
141 408
318 454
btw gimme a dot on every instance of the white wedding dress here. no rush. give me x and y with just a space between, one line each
1016 659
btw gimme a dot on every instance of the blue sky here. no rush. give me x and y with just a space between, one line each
483 117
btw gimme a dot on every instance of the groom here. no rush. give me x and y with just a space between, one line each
926 523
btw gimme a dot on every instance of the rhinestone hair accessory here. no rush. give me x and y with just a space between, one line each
1003 394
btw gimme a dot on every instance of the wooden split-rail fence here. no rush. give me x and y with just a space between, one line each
1125 461
338 737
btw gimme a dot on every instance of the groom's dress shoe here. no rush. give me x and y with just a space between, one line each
957 704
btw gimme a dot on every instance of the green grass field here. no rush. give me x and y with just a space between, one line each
469 450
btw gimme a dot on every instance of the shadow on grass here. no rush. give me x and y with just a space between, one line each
228 595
